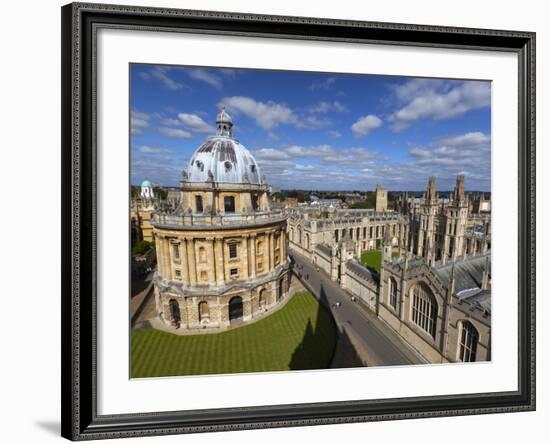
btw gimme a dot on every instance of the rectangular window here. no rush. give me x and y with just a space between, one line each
255 202
198 203
229 204
233 251
176 249
234 272
260 267
178 274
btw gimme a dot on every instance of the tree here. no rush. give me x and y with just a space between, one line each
141 247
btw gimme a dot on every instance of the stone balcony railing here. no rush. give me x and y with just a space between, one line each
216 220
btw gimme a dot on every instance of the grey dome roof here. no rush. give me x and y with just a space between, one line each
224 117
226 160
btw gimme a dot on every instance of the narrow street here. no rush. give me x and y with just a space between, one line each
381 344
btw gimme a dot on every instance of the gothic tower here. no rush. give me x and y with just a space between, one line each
455 222
425 244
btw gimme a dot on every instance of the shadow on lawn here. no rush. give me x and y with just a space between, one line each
312 351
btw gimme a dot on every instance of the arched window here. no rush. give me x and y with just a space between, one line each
424 309
235 309
392 293
281 290
307 241
204 311
469 337
261 298
175 310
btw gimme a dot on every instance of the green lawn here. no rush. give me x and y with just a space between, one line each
299 336
373 259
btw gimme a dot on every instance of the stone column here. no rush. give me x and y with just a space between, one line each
185 262
191 260
160 258
211 257
219 262
244 246
167 264
253 256
272 250
283 245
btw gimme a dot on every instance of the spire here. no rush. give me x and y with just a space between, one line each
458 195
431 196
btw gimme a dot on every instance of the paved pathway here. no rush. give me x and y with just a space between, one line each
381 345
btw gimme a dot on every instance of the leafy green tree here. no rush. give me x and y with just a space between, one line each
141 247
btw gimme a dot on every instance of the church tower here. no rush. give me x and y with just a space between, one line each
455 222
425 244
381 196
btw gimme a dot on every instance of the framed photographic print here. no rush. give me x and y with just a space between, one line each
277 221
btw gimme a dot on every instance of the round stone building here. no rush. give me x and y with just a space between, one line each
222 253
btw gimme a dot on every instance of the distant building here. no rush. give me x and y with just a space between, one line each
141 212
381 199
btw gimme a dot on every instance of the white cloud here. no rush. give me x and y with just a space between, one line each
325 107
195 123
301 167
468 154
270 154
267 115
438 100
310 151
335 134
138 121
169 122
365 125
174 132
152 150
322 84
161 74
207 77
311 122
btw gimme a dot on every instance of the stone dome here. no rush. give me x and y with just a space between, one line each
222 158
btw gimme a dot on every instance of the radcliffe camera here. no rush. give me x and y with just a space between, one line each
285 221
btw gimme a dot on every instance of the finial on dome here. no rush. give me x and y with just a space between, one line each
224 123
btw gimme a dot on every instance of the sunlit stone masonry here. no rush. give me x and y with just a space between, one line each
222 256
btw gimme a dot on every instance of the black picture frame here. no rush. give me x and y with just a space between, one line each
79 208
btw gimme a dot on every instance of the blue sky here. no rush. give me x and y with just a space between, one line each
318 131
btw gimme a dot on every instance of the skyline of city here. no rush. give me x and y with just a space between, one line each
307 127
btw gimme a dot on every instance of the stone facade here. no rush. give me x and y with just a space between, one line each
222 254
365 227
458 296
381 197
433 287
